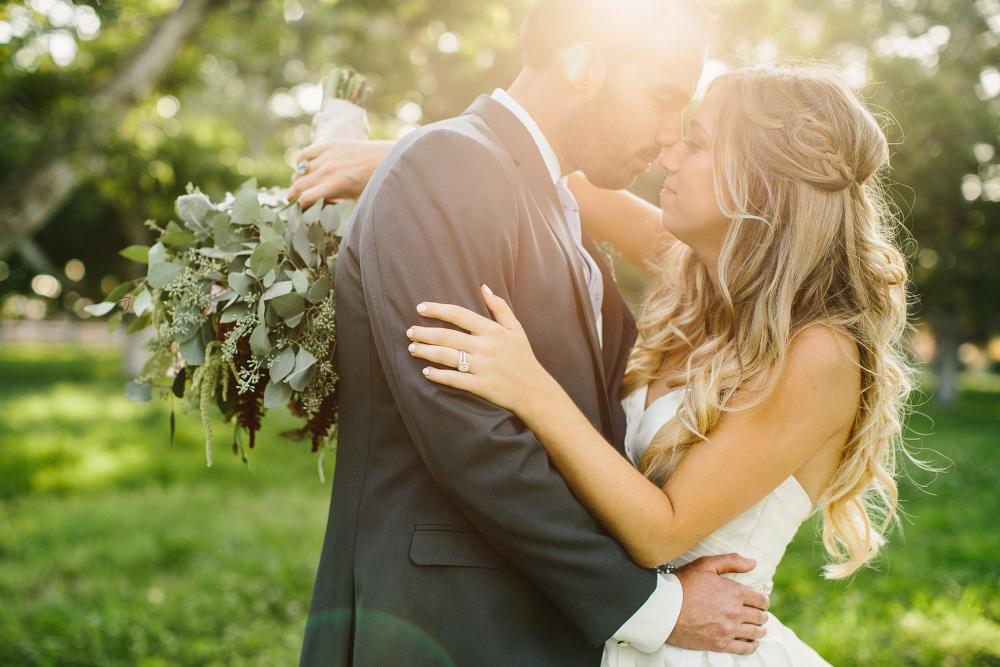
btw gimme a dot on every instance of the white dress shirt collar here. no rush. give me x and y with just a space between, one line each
544 147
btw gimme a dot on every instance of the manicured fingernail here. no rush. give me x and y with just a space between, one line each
488 290
422 308
412 348
409 333
427 372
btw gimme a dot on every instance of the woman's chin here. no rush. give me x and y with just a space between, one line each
669 224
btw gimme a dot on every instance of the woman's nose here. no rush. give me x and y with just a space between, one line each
668 161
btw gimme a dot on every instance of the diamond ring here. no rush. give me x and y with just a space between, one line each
463 362
302 168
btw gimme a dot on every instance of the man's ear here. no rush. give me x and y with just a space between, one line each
585 68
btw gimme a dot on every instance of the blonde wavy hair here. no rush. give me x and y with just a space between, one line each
797 159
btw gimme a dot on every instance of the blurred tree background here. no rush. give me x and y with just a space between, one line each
108 108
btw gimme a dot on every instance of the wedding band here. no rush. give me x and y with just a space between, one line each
463 362
302 168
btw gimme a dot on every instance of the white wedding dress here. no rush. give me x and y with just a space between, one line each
761 533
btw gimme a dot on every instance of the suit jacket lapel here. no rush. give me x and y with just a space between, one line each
619 337
523 150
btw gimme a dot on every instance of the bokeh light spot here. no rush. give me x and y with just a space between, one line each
75 270
409 112
167 106
46 285
245 166
972 187
449 42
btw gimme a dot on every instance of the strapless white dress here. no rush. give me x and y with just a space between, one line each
763 532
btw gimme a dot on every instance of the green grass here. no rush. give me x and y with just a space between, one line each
115 550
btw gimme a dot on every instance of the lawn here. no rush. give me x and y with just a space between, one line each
117 550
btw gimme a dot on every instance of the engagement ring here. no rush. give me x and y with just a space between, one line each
302 168
463 362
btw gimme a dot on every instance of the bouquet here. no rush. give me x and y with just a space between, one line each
240 298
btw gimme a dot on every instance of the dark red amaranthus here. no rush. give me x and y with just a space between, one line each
248 408
324 418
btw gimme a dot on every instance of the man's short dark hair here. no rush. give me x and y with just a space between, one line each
552 26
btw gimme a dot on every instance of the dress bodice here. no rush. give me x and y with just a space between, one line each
762 533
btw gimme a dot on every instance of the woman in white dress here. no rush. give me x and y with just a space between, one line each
768 382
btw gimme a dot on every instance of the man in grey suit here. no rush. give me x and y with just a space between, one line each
451 540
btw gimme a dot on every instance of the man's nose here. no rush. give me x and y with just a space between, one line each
671 132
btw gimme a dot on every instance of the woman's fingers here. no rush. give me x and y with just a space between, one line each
445 356
460 317
501 311
313 151
456 340
464 381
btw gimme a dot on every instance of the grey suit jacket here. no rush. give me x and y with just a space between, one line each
451 539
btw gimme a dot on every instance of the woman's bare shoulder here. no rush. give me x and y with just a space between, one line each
822 353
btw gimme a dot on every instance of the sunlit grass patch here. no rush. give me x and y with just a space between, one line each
118 550
59 432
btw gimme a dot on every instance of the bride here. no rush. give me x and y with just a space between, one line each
769 380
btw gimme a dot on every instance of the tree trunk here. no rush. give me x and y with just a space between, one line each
946 335
35 193
32 197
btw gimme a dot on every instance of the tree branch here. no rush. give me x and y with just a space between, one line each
30 199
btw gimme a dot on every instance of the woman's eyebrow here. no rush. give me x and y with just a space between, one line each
695 125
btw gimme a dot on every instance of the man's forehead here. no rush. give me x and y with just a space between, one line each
676 53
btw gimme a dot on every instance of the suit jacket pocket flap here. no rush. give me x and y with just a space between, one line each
444 546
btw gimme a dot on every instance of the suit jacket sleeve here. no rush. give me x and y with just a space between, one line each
444 221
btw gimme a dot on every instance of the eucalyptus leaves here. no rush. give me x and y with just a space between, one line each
240 298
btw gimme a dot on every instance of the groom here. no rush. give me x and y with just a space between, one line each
451 540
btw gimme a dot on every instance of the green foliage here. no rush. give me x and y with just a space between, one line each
242 291
115 550
214 119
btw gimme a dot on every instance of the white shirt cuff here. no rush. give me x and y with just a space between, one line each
649 627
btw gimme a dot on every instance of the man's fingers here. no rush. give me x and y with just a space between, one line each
754 615
728 563
740 647
756 599
751 632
